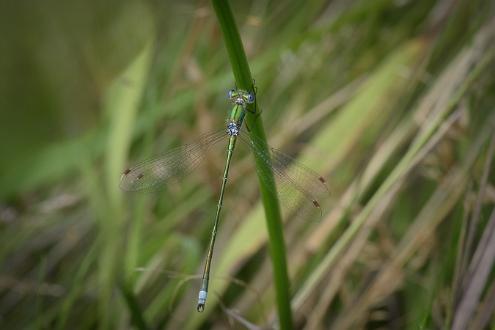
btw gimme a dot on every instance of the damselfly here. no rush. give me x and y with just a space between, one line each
288 173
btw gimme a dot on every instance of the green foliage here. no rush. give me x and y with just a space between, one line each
391 101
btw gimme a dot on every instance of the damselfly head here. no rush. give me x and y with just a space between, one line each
240 97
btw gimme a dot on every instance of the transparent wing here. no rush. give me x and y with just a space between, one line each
177 162
295 182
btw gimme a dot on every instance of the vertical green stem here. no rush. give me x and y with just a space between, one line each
244 81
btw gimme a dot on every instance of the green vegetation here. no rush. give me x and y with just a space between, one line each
391 101
270 202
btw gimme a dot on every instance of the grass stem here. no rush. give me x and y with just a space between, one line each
244 81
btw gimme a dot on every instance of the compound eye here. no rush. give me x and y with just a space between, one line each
230 94
250 98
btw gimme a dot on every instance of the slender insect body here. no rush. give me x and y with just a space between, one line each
183 159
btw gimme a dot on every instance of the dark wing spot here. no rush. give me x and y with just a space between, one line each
127 171
140 176
321 179
315 203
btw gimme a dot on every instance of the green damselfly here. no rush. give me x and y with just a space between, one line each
182 160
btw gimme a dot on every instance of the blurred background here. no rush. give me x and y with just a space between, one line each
392 101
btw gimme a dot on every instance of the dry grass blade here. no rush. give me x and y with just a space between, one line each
475 220
430 216
486 310
328 292
435 112
479 269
